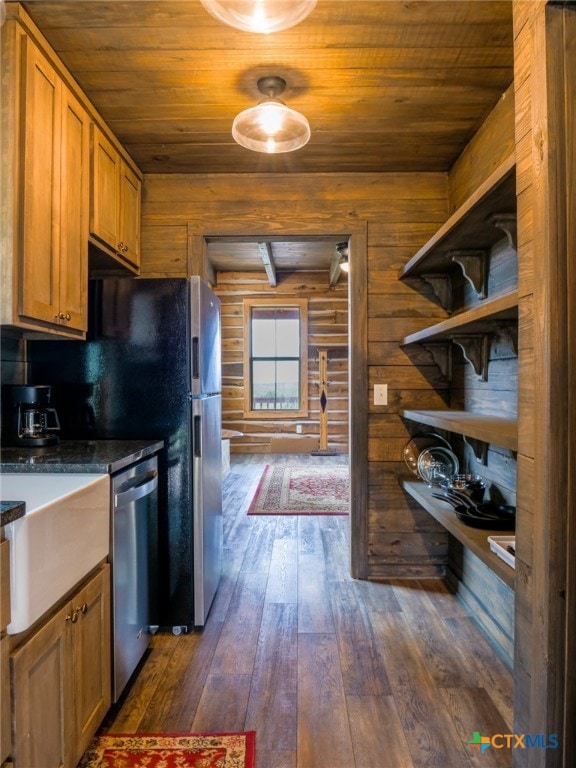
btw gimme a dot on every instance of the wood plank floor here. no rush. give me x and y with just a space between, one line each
330 672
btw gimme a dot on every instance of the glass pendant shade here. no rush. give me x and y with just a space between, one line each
263 16
271 126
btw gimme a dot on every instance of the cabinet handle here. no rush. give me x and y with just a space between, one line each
68 316
82 608
72 618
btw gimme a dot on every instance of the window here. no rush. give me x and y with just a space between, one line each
275 358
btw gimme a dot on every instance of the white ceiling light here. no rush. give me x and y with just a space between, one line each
260 15
271 126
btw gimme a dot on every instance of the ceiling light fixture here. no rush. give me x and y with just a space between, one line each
271 126
263 16
342 251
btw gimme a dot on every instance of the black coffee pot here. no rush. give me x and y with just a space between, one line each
30 420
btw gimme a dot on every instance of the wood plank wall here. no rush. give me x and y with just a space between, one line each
327 328
401 212
545 61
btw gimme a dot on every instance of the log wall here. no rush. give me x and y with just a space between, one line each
327 328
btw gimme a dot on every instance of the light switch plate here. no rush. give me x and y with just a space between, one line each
380 394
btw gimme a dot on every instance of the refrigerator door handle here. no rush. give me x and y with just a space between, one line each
197 437
195 358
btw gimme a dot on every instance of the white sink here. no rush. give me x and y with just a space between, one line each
63 535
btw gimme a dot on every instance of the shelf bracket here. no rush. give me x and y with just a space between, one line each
474 265
442 355
475 349
442 287
479 449
511 333
507 222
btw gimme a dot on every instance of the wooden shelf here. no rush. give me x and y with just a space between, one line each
470 226
498 430
474 539
481 319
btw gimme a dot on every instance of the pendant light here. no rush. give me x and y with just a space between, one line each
263 16
271 126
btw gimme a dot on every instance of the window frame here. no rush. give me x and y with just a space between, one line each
302 306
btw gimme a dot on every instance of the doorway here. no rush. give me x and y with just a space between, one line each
356 237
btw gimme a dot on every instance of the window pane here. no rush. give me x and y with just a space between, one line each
288 334
288 388
275 332
275 385
263 385
263 337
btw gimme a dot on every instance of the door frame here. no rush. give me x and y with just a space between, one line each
309 228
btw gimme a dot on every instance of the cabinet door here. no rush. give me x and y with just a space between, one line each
74 188
5 723
40 184
130 215
91 659
105 191
43 697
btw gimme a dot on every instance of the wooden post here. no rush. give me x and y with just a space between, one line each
323 374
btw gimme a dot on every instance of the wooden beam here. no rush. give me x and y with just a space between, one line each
268 261
335 270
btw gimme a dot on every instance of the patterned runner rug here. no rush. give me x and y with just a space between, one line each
305 490
194 750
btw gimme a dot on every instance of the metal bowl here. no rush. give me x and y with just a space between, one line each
473 485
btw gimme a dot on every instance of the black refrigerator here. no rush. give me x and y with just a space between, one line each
151 369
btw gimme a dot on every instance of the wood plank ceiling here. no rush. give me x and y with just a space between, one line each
387 85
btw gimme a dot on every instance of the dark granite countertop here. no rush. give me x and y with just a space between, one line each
10 511
69 456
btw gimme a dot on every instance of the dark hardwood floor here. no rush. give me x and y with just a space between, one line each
330 672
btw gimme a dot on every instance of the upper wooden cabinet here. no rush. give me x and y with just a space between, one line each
63 216
46 160
114 202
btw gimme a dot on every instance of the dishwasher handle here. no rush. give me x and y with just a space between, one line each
138 491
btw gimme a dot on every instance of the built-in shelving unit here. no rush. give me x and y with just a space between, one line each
489 428
475 539
485 319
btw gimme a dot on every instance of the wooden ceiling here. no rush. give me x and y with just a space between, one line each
387 85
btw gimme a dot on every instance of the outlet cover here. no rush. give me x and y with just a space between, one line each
380 394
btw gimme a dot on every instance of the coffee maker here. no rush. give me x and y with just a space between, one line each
30 422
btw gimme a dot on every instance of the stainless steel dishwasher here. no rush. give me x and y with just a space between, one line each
134 511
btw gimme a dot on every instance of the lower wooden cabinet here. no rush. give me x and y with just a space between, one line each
61 680
5 724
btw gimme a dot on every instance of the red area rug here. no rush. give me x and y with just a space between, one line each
292 490
192 750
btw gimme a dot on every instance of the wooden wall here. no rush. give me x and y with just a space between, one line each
327 328
545 679
400 212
